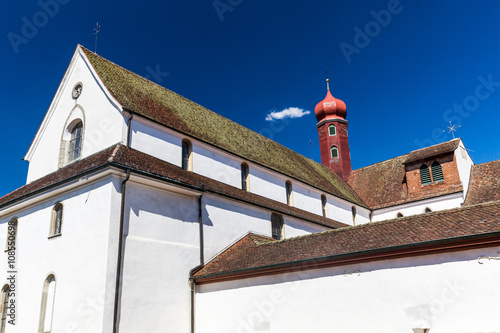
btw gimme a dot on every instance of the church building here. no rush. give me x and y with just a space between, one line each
146 212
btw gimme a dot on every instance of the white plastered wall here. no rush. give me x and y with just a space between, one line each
161 246
103 123
448 293
464 165
165 144
454 200
79 259
225 221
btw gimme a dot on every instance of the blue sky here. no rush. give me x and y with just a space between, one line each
404 68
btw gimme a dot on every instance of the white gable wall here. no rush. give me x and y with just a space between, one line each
103 123
441 292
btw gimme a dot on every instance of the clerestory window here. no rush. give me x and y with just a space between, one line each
277 226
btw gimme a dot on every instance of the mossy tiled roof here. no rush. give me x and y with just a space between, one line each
163 106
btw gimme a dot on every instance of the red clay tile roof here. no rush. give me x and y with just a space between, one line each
255 252
163 106
123 157
484 183
382 184
439 149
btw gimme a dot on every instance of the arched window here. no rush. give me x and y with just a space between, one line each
324 209
334 152
425 176
10 244
5 305
353 210
277 226
289 193
437 172
245 184
56 220
399 215
75 142
332 130
187 155
47 306
428 210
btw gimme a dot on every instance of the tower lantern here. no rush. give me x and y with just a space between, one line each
332 129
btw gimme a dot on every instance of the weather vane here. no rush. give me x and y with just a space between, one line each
452 129
97 29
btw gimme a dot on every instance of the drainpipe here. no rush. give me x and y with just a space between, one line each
120 250
192 283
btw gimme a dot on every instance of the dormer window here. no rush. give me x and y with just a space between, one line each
332 130
425 176
334 152
75 143
435 175
437 172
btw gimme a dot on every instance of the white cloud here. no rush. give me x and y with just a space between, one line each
292 112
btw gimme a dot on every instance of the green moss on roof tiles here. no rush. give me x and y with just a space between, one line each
161 105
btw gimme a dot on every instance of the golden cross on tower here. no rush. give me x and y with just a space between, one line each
452 129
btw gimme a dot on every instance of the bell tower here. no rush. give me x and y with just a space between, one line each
332 129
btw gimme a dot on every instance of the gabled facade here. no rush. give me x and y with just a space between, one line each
133 191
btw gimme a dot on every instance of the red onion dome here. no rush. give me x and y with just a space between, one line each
330 107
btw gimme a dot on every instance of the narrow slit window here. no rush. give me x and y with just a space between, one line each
187 155
5 305
277 226
289 193
425 176
332 130
75 143
245 186
47 306
324 209
334 152
437 172
57 220
353 210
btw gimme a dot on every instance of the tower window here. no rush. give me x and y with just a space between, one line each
57 219
245 186
289 193
47 306
277 226
334 152
11 235
324 209
437 172
332 130
425 176
5 305
187 155
75 142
